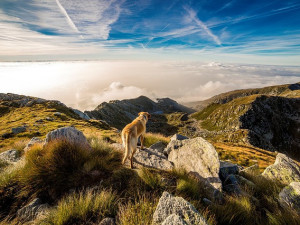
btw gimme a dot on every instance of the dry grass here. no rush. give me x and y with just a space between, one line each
152 138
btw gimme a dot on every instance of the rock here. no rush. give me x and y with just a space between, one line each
81 114
57 114
169 205
159 146
243 181
33 141
206 201
227 168
153 159
49 119
284 170
178 137
117 146
290 196
18 130
199 157
10 156
174 219
70 134
185 117
172 145
107 221
32 210
231 185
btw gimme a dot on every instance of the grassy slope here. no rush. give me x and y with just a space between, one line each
29 116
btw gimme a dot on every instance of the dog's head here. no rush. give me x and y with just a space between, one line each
145 115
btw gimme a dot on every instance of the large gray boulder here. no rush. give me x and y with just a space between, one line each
170 209
32 210
159 146
290 196
285 170
69 134
199 157
152 158
10 156
227 168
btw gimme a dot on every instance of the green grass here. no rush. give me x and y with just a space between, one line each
203 114
152 179
85 207
152 138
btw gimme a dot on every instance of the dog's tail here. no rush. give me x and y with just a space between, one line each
127 147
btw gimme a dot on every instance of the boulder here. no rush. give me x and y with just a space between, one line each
152 158
32 210
10 156
178 137
174 219
172 145
199 157
32 142
69 134
18 130
107 221
159 146
290 196
227 168
231 185
171 206
285 170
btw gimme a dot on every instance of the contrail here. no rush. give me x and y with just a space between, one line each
70 22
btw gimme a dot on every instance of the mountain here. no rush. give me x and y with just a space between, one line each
118 113
286 90
268 118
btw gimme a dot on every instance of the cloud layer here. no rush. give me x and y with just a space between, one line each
84 85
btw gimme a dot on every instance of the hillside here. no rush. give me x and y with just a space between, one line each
118 113
23 117
265 121
286 90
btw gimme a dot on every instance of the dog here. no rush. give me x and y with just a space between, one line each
131 134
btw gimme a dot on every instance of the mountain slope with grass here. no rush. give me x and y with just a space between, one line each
265 121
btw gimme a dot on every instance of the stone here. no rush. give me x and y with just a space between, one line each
152 158
117 146
174 219
107 221
199 157
172 145
18 130
285 170
32 142
49 119
231 185
227 168
32 210
81 114
57 114
10 156
169 205
159 146
69 134
178 137
243 181
206 201
290 196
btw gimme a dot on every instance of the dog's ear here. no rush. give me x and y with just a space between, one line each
149 116
140 113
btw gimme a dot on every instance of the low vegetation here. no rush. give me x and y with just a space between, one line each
152 138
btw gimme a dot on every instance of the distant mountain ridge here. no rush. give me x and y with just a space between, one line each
285 90
118 113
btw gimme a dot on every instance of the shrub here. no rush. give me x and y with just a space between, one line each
85 207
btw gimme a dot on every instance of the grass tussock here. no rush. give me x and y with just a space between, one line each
152 138
139 211
60 166
152 180
84 207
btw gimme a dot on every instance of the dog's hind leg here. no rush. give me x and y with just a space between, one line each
133 150
127 147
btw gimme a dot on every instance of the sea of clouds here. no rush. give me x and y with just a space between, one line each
86 84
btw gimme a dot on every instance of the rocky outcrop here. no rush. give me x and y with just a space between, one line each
10 156
290 196
285 170
69 134
152 158
18 130
171 209
32 142
81 114
32 210
199 157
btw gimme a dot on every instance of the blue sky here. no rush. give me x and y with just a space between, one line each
237 31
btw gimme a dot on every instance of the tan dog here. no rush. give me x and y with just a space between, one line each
131 133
